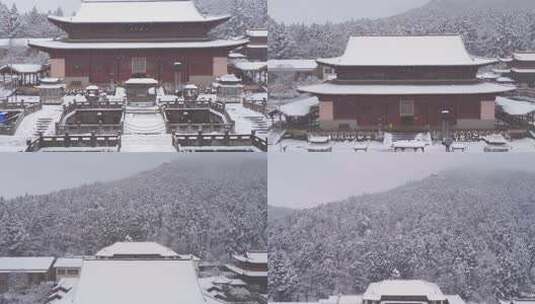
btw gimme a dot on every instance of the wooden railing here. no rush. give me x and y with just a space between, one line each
214 140
63 128
227 124
255 106
78 141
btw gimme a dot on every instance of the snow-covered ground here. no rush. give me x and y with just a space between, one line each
291 145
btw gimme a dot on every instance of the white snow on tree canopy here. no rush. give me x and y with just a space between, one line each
378 290
137 12
138 282
25 264
447 50
136 248
406 89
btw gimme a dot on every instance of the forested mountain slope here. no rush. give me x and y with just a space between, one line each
211 208
473 233
489 27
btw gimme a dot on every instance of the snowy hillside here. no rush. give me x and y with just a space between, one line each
472 233
489 27
209 207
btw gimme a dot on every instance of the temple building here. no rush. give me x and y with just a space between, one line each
111 41
132 272
257 47
406 83
251 268
25 271
520 67
396 291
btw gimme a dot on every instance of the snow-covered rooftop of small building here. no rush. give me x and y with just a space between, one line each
247 273
257 33
229 78
137 11
64 45
21 68
147 81
446 50
292 64
257 257
403 288
300 106
69 262
524 56
250 65
138 282
25 264
136 248
515 107
330 88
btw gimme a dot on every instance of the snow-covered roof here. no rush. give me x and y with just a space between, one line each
250 65
25 264
524 56
136 249
247 273
330 88
255 257
22 68
300 106
138 282
515 107
69 262
147 81
455 299
64 45
523 71
447 50
292 64
137 11
257 33
403 288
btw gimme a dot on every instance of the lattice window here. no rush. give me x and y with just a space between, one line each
406 108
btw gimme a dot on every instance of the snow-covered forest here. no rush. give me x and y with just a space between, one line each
211 207
490 28
471 232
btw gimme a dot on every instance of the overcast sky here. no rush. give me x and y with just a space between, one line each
68 6
304 180
322 11
40 173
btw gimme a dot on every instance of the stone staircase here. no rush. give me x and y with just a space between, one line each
261 124
147 143
144 131
143 121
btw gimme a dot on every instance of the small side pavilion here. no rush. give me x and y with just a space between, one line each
25 75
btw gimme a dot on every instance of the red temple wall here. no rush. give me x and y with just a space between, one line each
102 67
385 110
